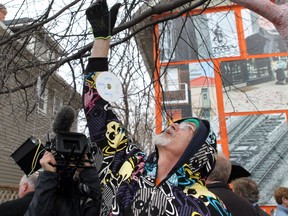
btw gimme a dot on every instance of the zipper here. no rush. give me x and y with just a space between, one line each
151 197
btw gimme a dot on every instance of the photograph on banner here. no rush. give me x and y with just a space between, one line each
175 92
261 35
223 34
259 143
203 93
255 84
199 37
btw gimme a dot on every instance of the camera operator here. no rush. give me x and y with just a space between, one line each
69 184
72 197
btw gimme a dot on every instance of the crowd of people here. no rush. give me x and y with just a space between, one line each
169 181
185 175
217 182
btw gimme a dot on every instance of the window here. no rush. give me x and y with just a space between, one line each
167 41
171 79
57 105
43 101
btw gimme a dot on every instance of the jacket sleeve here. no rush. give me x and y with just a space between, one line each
17 206
43 199
104 127
98 111
89 177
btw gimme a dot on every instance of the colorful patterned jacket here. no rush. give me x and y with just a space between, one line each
128 175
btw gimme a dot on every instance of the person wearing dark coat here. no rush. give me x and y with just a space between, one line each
78 194
217 182
248 189
69 183
19 206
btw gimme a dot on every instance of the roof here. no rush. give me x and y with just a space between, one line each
202 81
19 21
24 24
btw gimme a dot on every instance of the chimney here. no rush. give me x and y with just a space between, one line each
3 12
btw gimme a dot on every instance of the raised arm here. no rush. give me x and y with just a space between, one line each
102 23
105 130
100 48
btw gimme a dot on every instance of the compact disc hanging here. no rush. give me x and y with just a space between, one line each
109 86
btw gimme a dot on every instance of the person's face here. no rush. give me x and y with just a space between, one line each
3 13
284 201
22 189
176 136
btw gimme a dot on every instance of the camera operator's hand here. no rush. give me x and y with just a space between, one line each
101 19
87 163
48 162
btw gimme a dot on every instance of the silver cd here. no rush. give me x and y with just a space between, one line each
109 86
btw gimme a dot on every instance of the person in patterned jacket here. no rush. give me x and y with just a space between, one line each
170 181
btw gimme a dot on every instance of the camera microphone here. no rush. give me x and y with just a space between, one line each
68 147
64 119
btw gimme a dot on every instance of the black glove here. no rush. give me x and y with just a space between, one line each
101 19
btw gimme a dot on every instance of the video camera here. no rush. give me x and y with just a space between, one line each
68 149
